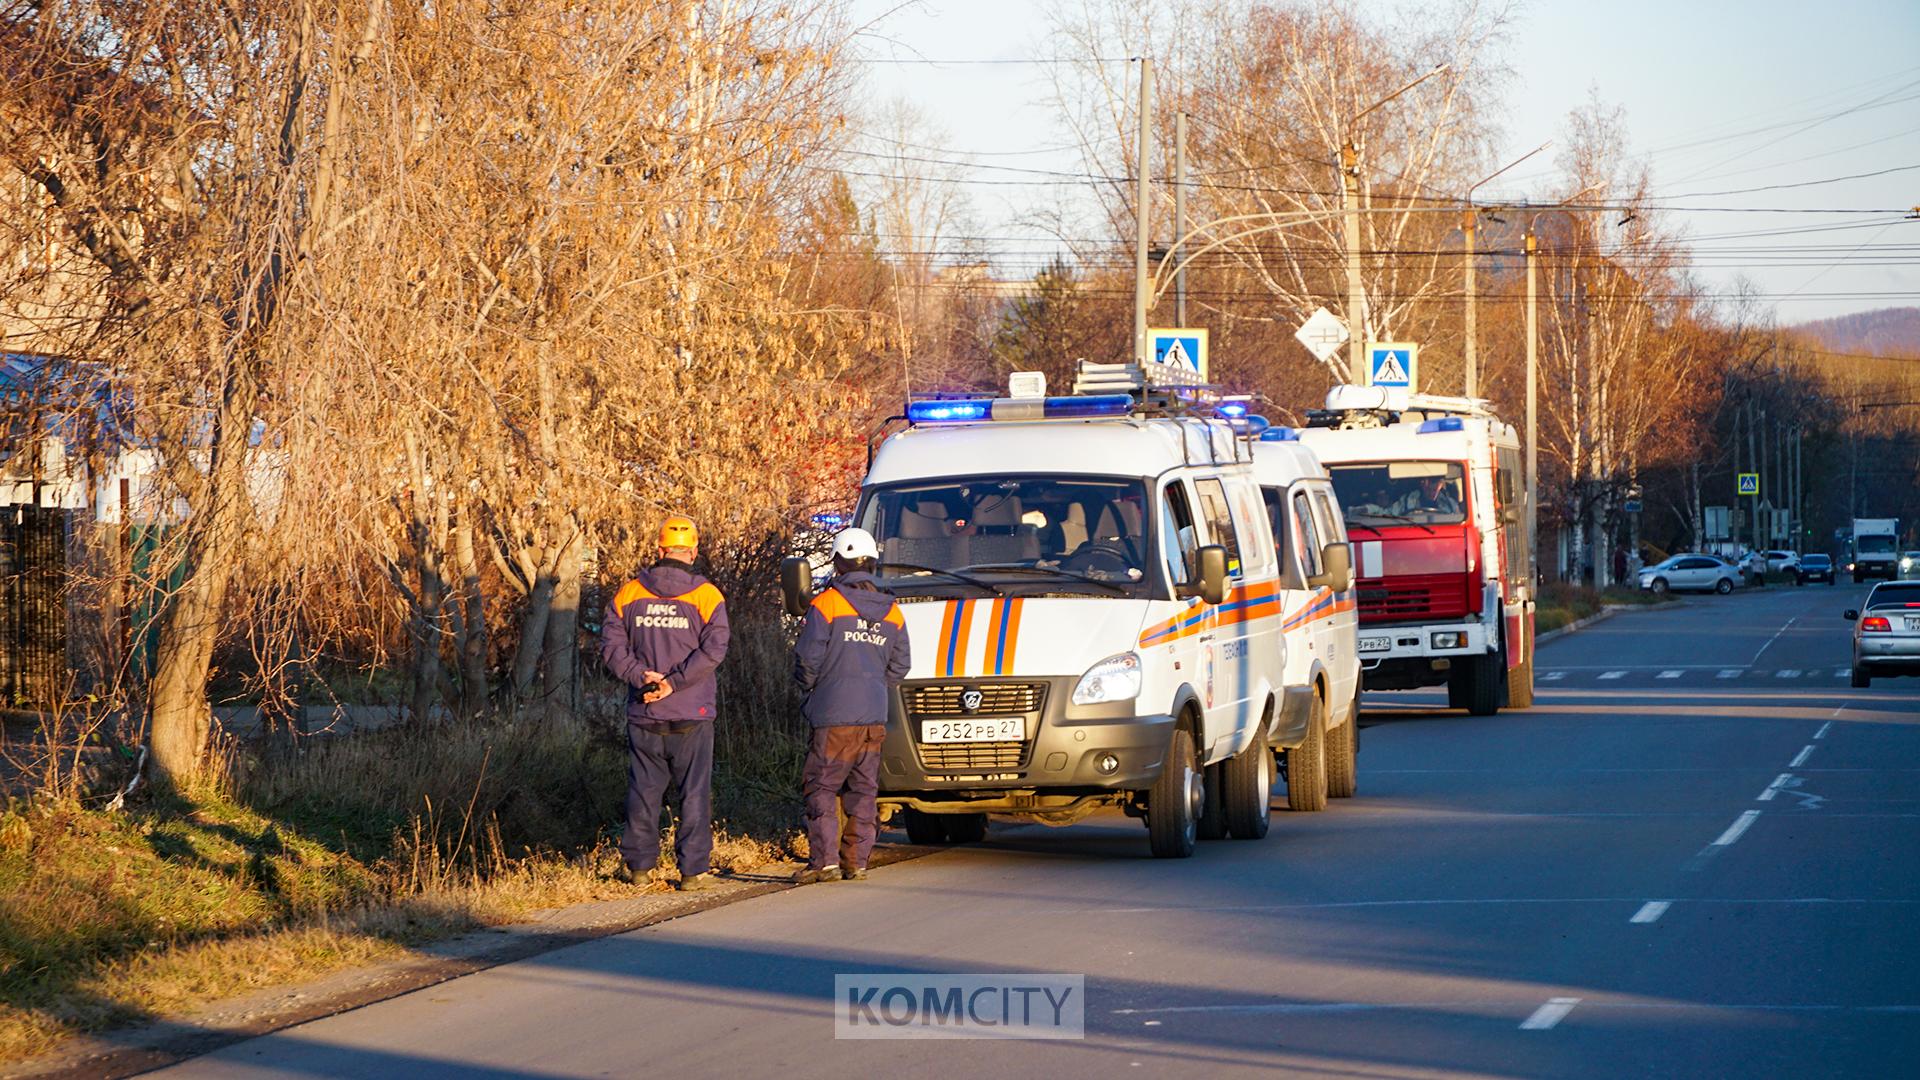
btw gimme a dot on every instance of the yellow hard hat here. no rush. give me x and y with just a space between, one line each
678 532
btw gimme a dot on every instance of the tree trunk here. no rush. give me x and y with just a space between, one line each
472 616
533 624
563 628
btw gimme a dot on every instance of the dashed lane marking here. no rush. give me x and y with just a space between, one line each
1738 828
1731 673
1800 758
1822 733
1549 1014
1787 673
1614 675
1651 911
1672 674
1774 788
1552 676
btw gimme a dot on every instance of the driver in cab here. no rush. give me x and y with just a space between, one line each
1433 495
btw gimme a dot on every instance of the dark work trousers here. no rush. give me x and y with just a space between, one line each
843 765
683 754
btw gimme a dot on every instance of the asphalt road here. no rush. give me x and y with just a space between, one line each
1490 904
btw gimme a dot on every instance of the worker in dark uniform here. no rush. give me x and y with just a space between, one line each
664 634
851 653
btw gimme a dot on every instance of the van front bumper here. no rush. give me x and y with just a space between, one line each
1086 749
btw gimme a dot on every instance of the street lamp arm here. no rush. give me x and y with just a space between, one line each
1363 112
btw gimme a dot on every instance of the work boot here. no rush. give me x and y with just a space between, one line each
810 875
699 882
630 875
855 873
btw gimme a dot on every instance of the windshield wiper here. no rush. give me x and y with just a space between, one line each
955 575
1403 519
1019 568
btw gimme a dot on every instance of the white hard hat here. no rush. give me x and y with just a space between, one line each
853 544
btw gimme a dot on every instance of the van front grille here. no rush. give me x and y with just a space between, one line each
996 699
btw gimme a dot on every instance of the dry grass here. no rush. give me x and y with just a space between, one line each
1563 603
297 861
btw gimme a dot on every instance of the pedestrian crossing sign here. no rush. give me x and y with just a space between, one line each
1393 364
1182 349
1749 483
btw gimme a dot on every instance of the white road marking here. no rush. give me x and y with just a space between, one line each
1822 733
1651 911
1734 831
1613 675
1731 673
1544 1017
1787 673
1771 640
1800 758
1774 788
1841 673
1552 676
1670 674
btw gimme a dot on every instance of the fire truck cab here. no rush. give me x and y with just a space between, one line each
1433 496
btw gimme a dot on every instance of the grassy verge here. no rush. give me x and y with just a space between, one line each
299 860
1562 603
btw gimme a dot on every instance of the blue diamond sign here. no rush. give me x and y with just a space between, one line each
1393 364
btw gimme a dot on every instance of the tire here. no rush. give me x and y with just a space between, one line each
1307 764
1247 788
965 828
1173 803
1213 817
1723 586
927 830
1343 772
1478 684
1520 685
1861 680
1660 585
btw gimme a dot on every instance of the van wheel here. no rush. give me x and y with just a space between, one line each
1861 680
1248 788
1173 803
1659 585
927 830
1342 770
1723 586
1307 764
1213 817
965 828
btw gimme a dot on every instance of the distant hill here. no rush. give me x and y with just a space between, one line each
1886 332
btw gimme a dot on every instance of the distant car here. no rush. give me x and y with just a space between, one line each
1910 564
1781 561
1886 632
1813 567
1691 570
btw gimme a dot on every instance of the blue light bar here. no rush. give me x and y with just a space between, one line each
1232 410
1445 423
948 412
1280 434
1060 408
1257 424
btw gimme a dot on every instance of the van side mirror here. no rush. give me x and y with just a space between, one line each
796 585
1338 575
1850 614
1210 575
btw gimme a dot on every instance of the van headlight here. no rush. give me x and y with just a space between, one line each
1117 678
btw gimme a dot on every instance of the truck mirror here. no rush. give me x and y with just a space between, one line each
1210 575
1850 614
1338 573
796 585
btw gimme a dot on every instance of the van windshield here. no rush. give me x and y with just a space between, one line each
1012 535
1873 545
1401 492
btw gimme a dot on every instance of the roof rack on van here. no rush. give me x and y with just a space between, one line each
1351 406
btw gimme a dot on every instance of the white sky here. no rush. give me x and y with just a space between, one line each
1719 95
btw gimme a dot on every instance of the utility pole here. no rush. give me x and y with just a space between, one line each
1179 217
1142 214
1753 459
1533 419
1356 296
1473 337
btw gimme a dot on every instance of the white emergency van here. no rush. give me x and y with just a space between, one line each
1320 699
1094 602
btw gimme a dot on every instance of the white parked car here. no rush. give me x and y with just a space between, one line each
1782 561
1691 571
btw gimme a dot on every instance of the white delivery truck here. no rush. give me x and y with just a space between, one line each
1875 549
1095 605
1433 497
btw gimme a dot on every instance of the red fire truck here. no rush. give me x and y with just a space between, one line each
1433 495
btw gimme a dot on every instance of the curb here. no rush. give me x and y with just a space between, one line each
1581 624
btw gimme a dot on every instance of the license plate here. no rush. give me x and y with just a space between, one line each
1913 622
1376 644
974 729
